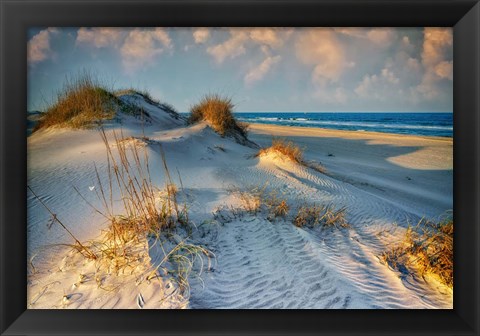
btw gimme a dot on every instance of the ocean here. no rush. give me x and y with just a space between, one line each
430 124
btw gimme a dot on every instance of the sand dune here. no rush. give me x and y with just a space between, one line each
384 181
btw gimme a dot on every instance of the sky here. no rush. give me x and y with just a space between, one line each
261 69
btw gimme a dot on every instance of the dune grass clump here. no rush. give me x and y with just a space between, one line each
251 200
83 99
426 249
218 112
314 215
286 148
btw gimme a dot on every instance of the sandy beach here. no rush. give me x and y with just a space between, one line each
384 181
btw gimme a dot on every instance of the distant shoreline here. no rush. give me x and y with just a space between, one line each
338 132
426 124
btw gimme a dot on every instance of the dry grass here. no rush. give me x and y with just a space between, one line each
314 215
286 148
81 101
426 249
281 210
218 112
251 200
257 200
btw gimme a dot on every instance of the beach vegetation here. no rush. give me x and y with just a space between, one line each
288 150
217 111
82 100
325 215
426 249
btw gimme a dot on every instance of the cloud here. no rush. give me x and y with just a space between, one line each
436 54
444 70
333 97
381 36
266 36
437 41
231 48
201 35
241 38
351 31
142 45
38 48
99 37
379 86
257 73
321 49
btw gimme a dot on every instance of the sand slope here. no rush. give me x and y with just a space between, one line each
381 179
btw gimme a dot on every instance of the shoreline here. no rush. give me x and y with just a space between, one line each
346 132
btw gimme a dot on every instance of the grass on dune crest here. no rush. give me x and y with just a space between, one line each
288 150
426 249
82 100
149 216
217 111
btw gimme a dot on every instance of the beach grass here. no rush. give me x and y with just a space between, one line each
426 249
288 150
82 100
217 111
316 214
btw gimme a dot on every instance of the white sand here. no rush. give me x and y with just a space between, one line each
382 179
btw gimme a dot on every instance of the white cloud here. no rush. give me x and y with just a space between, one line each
381 36
201 35
352 31
444 69
389 76
437 66
231 48
141 46
99 37
381 86
38 48
320 48
257 73
266 36
240 38
333 97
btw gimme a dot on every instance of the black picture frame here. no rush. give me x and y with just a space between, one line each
17 16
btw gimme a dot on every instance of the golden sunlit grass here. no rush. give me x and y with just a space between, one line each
217 111
426 249
314 215
288 150
82 100
257 200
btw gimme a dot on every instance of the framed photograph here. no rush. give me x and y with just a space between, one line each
207 167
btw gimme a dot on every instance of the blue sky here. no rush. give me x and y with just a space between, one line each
262 69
